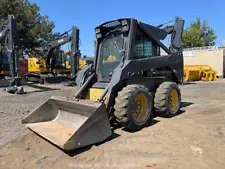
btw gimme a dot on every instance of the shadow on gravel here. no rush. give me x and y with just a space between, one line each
152 123
4 83
81 150
188 83
185 104
78 151
84 149
41 88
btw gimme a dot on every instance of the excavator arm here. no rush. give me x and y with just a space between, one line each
61 40
8 31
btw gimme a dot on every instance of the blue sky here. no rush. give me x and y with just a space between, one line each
88 14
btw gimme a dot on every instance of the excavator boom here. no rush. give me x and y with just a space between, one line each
74 54
8 31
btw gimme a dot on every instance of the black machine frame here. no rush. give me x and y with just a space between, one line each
155 34
150 72
127 85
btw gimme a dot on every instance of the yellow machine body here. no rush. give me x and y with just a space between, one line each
82 63
4 72
94 94
68 66
199 72
37 65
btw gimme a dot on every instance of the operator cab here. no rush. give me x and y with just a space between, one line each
122 40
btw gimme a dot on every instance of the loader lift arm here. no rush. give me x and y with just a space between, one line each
176 33
8 31
74 54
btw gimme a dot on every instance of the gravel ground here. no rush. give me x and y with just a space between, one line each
194 139
13 108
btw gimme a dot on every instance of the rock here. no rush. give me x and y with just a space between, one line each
43 157
197 149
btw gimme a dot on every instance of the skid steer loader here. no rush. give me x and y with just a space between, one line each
128 81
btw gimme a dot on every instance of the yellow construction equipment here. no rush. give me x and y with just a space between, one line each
129 81
199 72
38 65
52 67
82 61
39 72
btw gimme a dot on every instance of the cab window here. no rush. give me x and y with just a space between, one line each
143 47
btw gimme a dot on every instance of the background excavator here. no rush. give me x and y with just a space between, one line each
82 61
129 82
9 60
52 67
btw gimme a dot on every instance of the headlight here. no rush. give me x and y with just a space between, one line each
125 25
124 22
99 36
97 30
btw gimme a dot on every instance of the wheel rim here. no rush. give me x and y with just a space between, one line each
141 107
173 101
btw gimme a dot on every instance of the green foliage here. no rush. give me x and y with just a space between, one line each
199 34
33 30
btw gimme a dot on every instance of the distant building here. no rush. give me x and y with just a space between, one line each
210 55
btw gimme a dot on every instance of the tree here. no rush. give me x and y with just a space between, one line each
199 34
33 29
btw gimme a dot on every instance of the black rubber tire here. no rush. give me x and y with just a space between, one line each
123 107
161 100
